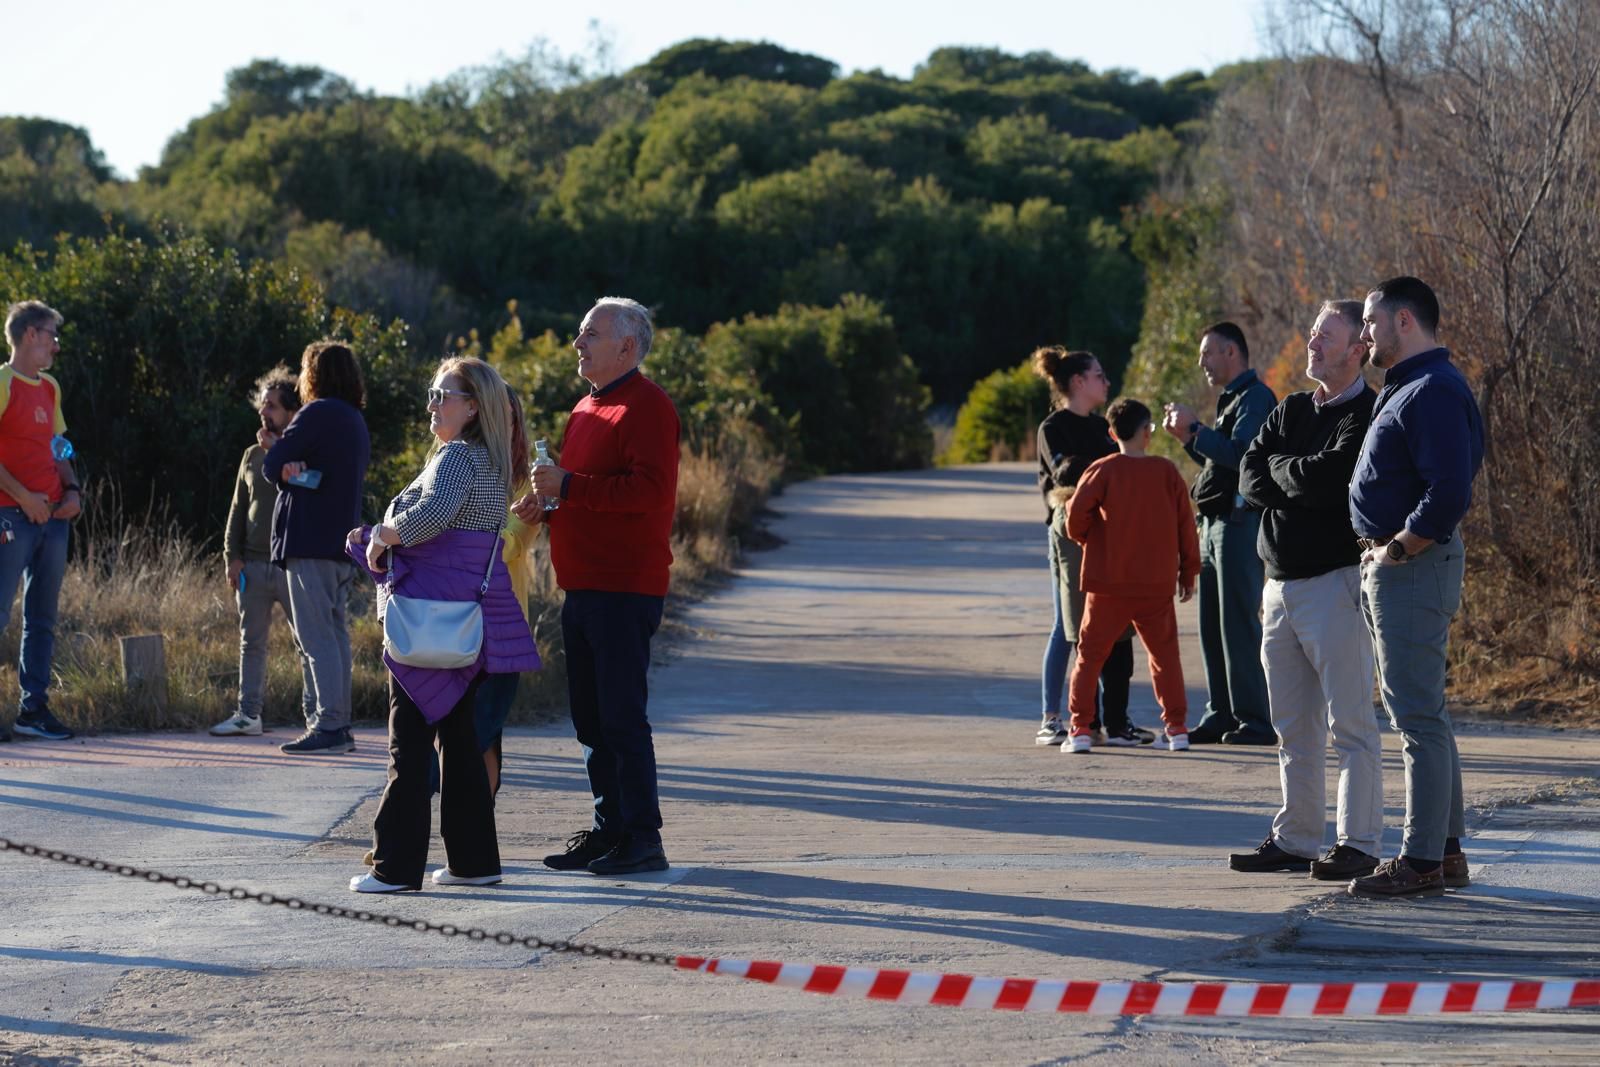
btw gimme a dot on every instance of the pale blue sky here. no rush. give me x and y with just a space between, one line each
133 74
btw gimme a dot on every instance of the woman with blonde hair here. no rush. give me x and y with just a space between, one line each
438 539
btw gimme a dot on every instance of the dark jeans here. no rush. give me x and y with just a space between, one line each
403 825
1231 580
35 558
607 639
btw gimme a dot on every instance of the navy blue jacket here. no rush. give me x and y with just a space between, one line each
328 436
1423 450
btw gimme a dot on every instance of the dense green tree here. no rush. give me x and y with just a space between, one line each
726 60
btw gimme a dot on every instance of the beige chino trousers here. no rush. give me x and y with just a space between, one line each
1317 655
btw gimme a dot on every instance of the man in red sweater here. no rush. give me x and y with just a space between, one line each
1132 515
617 484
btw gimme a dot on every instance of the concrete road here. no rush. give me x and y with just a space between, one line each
848 775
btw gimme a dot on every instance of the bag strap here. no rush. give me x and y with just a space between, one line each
483 590
488 572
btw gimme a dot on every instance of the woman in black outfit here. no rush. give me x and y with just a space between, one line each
1070 438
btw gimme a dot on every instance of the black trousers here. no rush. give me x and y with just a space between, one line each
607 639
1115 677
404 822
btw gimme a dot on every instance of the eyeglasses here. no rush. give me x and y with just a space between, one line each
436 396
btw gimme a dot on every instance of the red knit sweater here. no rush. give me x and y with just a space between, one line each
1132 516
613 528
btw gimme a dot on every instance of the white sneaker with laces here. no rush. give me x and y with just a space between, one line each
237 725
1178 743
444 876
1051 733
1080 743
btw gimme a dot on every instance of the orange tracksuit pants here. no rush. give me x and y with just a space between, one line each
1105 618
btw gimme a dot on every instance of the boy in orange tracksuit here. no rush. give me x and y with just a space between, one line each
1132 515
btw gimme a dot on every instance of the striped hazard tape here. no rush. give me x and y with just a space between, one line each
1280 999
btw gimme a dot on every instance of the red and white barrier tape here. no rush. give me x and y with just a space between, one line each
1278 999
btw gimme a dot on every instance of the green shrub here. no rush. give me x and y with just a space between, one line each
848 397
1000 418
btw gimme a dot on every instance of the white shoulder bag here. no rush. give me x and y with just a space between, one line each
439 634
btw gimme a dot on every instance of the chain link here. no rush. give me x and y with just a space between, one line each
421 926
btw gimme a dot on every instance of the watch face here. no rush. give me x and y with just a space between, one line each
1397 551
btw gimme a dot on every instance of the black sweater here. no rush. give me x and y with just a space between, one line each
1068 443
1297 471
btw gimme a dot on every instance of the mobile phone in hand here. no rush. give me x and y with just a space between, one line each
306 479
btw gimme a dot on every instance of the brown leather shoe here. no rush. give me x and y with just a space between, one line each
1454 870
1396 878
1341 862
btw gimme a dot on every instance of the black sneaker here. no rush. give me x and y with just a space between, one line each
583 847
319 743
631 857
41 724
1268 857
1248 737
1131 737
1210 733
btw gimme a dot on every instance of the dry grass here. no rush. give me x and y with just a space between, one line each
133 575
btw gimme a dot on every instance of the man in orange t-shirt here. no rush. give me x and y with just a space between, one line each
1132 515
39 497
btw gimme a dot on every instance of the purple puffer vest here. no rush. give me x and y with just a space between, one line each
450 567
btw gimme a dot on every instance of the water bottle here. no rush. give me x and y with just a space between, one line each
61 448
541 458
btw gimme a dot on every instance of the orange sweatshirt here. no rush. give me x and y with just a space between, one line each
1132 516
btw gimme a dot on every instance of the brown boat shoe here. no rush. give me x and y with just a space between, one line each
1397 878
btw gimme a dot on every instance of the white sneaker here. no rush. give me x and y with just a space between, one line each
1079 743
1178 743
1052 732
366 883
237 725
444 876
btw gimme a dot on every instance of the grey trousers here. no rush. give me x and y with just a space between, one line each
318 592
1318 661
1408 608
265 584
1231 577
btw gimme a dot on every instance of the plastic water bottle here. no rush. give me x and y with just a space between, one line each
61 448
541 458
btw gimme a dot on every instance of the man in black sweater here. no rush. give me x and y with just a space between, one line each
1315 646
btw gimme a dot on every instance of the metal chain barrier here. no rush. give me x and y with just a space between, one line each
421 926
1203 999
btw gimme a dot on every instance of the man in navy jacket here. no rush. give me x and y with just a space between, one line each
326 443
1412 488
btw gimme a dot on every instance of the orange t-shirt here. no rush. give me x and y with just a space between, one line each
31 416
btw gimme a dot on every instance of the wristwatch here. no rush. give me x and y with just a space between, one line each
1397 551
1194 428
